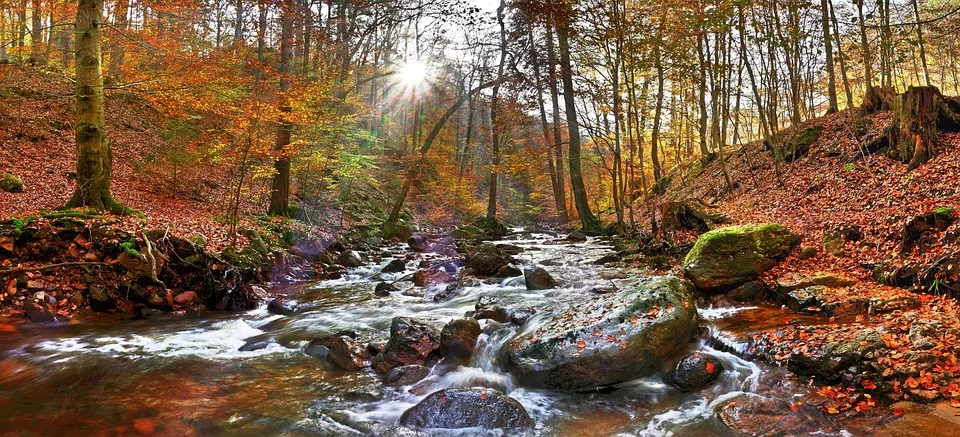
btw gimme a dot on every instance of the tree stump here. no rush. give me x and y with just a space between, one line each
918 116
878 98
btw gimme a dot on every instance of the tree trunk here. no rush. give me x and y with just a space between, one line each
828 47
878 98
238 24
557 136
36 34
94 158
117 54
587 219
495 116
280 192
923 51
918 115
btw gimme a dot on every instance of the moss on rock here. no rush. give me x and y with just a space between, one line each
11 184
730 256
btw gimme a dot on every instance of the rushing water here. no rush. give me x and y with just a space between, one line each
184 374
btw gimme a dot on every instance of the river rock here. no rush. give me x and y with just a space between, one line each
610 340
349 258
751 291
279 306
411 342
395 266
508 271
347 353
695 371
39 312
467 408
458 339
383 289
576 237
755 416
418 243
406 375
730 256
486 259
828 361
185 298
539 279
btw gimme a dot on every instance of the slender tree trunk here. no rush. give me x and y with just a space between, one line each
548 141
843 64
238 24
865 47
557 135
262 30
117 54
36 34
587 219
923 51
280 192
94 158
657 114
828 48
495 116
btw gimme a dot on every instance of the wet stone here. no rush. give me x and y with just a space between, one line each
395 266
459 338
539 279
696 371
467 408
406 375
279 306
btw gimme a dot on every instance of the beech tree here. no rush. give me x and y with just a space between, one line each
94 157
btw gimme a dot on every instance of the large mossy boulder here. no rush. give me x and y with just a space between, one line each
486 259
730 256
613 339
396 231
467 408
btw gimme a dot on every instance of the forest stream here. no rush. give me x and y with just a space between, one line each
185 374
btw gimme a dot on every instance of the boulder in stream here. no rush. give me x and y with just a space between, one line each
406 375
539 279
279 306
458 338
730 256
576 237
486 259
411 342
349 258
395 266
347 353
695 371
614 338
467 408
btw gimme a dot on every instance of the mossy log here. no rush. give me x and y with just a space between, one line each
918 116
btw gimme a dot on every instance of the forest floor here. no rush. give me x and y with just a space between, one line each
37 134
890 327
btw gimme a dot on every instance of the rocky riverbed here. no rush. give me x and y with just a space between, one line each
524 336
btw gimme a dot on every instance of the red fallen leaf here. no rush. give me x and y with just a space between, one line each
145 426
912 383
897 412
869 385
443 400
710 367
581 344
832 410
794 407
955 403
483 395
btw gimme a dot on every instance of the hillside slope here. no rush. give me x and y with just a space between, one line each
839 188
